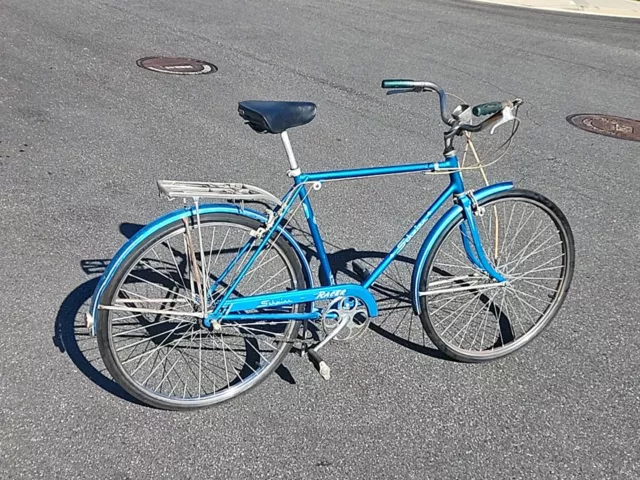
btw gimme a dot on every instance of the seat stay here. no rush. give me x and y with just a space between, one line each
266 234
286 202
219 281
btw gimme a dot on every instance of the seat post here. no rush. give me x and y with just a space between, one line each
295 170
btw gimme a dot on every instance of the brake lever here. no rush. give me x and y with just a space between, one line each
508 115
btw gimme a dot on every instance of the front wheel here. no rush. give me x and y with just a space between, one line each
472 318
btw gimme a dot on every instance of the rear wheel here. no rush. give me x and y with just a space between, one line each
472 318
150 330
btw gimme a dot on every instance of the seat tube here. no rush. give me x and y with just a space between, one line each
326 276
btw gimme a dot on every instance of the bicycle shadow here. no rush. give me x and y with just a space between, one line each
396 322
71 336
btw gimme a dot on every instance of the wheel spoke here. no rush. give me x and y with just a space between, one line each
527 242
142 327
517 294
147 355
158 286
464 329
535 284
259 289
154 368
156 339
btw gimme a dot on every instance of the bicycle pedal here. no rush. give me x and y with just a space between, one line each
321 365
360 270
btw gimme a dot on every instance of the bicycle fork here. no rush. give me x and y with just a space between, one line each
471 239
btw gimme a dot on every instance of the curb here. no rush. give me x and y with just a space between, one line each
622 14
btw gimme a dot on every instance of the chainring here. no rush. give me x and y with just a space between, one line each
346 309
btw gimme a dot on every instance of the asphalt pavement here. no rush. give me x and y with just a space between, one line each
85 133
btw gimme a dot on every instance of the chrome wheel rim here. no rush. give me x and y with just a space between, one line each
166 351
474 315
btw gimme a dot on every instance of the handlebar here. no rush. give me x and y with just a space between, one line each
489 108
414 86
501 112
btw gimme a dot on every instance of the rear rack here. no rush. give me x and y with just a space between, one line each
235 192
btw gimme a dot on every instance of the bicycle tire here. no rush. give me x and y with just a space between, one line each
474 294
254 375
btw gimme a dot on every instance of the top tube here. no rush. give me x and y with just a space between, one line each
375 171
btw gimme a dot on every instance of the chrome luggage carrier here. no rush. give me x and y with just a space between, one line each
234 192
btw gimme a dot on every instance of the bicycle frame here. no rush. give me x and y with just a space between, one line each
455 187
229 308
232 307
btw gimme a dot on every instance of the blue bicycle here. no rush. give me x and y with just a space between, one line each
205 302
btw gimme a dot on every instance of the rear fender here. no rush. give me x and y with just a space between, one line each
153 227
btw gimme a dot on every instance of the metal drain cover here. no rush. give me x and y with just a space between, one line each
177 66
607 125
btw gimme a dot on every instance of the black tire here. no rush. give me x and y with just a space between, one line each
501 312
139 256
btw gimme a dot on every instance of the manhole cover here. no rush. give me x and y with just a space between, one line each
616 127
177 66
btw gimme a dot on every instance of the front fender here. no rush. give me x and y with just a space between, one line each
153 227
437 230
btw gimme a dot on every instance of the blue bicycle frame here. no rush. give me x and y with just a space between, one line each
466 202
266 305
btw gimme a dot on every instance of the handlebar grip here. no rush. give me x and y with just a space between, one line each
488 108
398 83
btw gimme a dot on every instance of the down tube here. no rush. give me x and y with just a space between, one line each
451 189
